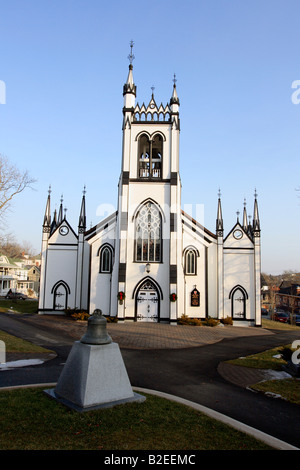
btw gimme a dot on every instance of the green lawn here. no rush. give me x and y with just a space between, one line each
18 306
288 389
156 424
14 344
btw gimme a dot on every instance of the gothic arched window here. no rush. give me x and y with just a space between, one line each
148 234
190 262
105 259
150 156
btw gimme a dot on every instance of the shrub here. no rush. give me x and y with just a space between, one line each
80 315
227 321
196 321
185 320
211 321
112 319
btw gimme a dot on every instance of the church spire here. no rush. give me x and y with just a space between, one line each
47 216
174 99
60 213
82 217
129 87
245 218
256 221
174 105
54 223
219 221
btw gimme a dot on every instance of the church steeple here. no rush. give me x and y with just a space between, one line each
174 105
47 216
256 221
82 217
219 221
60 213
129 88
54 223
245 219
174 99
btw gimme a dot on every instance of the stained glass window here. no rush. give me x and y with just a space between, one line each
148 234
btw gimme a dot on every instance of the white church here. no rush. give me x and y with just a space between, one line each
150 261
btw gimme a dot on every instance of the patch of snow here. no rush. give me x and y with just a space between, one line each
274 395
277 375
20 363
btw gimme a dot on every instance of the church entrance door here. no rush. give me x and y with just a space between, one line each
147 303
60 297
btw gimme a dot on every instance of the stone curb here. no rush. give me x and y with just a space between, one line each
267 439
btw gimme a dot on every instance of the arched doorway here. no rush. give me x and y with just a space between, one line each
60 295
238 297
147 302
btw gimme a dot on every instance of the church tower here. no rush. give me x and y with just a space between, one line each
150 260
148 225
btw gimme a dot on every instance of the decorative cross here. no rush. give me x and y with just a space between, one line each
131 55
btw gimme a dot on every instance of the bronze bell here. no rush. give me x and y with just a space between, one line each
96 330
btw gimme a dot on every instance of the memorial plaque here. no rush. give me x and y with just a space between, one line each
195 298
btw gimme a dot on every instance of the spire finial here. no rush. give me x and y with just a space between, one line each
245 223
84 190
131 55
238 215
255 193
152 88
219 193
49 190
174 98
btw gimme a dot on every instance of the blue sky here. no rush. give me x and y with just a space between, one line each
64 64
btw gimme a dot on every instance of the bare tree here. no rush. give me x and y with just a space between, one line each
12 182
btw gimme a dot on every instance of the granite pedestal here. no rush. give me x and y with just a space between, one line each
94 376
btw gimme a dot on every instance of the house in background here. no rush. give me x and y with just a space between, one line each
33 275
14 277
